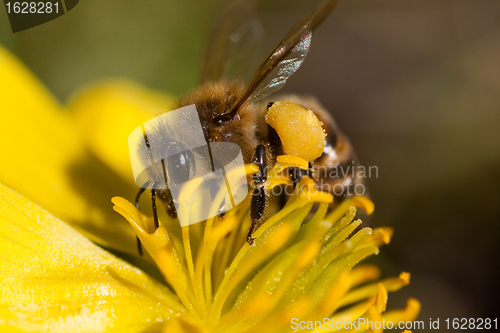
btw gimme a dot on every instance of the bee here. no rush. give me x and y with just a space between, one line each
230 111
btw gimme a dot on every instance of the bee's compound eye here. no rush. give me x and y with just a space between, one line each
270 104
180 167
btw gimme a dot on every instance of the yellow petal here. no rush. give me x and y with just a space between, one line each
55 280
45 159
108 112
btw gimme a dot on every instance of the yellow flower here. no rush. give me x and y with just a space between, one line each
299 270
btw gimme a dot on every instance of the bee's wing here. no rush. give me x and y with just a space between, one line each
276 79
232 42
285 59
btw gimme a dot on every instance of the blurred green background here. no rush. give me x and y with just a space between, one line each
414 84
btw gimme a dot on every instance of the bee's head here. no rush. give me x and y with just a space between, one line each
214 101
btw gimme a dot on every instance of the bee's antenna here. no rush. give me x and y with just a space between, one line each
153 203
139 245
141 191
137 197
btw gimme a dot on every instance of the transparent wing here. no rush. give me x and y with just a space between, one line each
283 70
233 43
287 56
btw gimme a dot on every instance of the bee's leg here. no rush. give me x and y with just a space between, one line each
171 209
258 205
155 213
258 202
296 174
137 197
311 172
166 197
